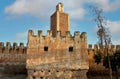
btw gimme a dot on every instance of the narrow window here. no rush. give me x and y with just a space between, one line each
45 48
41 77
33 77
70 49
3 49
48 70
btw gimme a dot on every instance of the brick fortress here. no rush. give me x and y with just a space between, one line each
57 55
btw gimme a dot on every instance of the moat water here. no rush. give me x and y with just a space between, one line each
24 77
13 77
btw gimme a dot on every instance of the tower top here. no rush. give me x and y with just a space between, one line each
60 7
60 21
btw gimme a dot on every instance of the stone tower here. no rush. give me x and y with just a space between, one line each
60 21
57 56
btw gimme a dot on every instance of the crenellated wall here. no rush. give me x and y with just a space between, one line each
12 54
92 50
47 52
57 53
12 49
95 47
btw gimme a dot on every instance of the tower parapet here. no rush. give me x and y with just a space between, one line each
12 49
60 7
77 36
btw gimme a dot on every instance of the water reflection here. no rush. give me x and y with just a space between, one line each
13 77
24 77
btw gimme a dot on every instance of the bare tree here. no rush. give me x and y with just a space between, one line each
103 33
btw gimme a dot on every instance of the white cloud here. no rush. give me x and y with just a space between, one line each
77 14
107 5
116 42
38 8
21 35
114 27
43 9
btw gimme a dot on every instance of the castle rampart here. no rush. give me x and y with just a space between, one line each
111 48
60 52
12 54
12 49
92 50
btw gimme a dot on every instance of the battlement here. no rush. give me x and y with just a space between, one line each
14 48
95 46
37 40
77 34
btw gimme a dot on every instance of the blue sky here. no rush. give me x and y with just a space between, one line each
18 16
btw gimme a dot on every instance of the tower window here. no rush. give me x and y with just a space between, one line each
33 77
41 77
45 48
70 49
